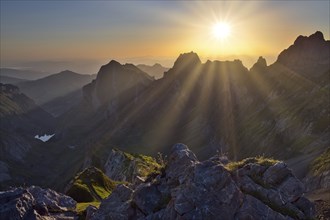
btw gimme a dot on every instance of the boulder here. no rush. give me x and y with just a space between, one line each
36 203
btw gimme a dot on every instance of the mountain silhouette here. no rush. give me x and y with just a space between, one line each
155 70
308 56
219 105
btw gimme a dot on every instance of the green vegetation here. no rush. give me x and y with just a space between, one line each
81 207
321 163
91 185
263 161
145 165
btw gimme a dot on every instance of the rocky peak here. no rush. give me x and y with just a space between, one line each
308 55
316 37
260 65
192 189
105 69
187 59
184 64
113 80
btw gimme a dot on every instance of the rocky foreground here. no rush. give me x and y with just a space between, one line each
190 189
36 203
255 188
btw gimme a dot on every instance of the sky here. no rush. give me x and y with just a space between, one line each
82 35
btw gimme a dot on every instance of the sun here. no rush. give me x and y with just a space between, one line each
221 30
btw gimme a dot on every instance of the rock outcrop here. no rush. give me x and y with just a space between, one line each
121 166
259 66
36 203
191 189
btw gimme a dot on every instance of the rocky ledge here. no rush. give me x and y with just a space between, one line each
36 203
191 189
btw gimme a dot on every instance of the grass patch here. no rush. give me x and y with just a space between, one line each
321 163
81 207
91 185
145 165
263 161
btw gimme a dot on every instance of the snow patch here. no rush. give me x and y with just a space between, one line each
45 137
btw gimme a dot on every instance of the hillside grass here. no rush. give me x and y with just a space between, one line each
261 160
91 185
321 163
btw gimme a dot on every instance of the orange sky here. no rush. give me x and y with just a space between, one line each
147 32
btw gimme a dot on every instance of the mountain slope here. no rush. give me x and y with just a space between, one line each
21 119
56 86
114 87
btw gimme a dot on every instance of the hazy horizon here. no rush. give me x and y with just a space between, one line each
87 35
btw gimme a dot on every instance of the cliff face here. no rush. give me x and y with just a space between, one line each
189 189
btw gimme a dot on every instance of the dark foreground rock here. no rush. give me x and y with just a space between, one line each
36 203
190 189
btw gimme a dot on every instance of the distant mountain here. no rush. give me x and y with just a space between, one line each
21 119
115 86
156 70
10 80
60 86
23 74
114 80
221 106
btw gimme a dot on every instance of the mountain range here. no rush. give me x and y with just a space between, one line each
22 74
216 108
219 105
56 93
